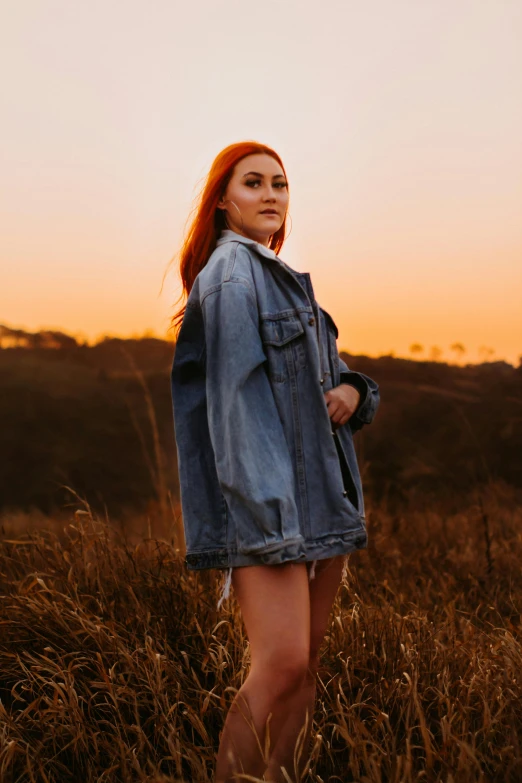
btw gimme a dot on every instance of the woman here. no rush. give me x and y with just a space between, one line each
264 414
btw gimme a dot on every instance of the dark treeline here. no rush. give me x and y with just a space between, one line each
98 419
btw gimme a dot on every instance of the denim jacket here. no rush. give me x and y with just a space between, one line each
265 476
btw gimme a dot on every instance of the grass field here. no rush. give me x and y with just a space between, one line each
116 666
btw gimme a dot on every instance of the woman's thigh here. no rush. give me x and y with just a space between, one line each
323 591
284 613
275 606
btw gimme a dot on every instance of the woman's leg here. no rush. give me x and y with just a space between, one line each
294 737
275 605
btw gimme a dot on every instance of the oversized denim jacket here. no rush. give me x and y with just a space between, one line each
265 476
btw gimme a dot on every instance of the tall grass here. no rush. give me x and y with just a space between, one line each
116 666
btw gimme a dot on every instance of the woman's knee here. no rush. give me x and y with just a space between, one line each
283 671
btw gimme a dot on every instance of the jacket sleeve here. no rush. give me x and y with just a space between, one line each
370 396
253 460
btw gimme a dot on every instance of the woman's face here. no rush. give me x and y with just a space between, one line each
257 184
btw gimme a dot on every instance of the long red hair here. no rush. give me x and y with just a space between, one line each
208 221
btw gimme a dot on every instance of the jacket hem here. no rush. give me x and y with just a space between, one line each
313 549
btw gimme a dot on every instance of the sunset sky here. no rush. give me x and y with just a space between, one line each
399 124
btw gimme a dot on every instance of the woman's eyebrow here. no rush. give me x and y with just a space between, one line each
260 175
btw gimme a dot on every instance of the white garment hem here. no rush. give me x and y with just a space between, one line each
225 590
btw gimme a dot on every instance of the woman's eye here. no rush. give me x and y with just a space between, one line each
251 182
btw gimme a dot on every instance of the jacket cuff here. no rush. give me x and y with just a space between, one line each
355 379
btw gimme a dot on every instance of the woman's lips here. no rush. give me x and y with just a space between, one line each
273 214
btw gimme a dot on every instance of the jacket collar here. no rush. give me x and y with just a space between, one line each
227 235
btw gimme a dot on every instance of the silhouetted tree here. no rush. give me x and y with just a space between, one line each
416 348
15 338
53 339
19 338
486 353
458 349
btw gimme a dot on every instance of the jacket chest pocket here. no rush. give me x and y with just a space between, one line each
284 344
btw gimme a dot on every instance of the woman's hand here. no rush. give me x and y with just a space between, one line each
341 402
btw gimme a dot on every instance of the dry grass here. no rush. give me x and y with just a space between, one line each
115 665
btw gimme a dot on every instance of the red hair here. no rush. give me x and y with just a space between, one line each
208 221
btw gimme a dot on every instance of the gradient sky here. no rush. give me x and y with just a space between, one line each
399 123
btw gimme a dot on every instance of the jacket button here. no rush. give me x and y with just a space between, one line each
311 321
345 493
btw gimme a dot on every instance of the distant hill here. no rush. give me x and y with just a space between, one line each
77 415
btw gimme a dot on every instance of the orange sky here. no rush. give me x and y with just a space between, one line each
399 125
